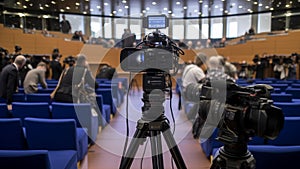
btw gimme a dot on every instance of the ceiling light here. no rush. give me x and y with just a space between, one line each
153 3
67 7
165 9
19 3
223 0
288 14
221 9
62 0
41 7
233 4
205 6
147 8
225 11
185 7
271 9
27 0
87 0
77 4
177 3
173 14
126 6
287 5
53 2
24 6
46 5
120 10
260 4
91 10
105 3
124 2
216 6
98 7
240 6
84 12
169 11
30 4
200 1
199 13
255 3
144 11
114 12
62 10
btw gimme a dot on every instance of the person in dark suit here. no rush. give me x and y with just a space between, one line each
56 66
9 80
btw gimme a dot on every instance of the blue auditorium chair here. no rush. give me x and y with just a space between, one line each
58 136
289 108
105 110
26 109
276 97
19 97
12 135
82 113
295 85
4 113
27 159
282 87
289 135
275 157
39 97
108 98
294 91
289 82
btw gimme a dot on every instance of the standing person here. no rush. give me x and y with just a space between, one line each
55 66
34 77
65 25
9 80
128 38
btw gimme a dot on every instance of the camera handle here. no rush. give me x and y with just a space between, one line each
153 124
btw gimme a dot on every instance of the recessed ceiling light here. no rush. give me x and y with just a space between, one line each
223 0
165 9
195 10
169 11
87 0
205 6
124 2
271 9
255 3
98 7
287 5
233 4
30 4
77 4
41 7
177 3
185 7
19 3
27 0
216 6
267 7
114 12
260 4
67 7
200 1
105 3
120 10
126 6
91 10
225 11
24 6
46 5
221 9
53 2
147 8
199 13
153 3
84 12
144 11
240 6
62 10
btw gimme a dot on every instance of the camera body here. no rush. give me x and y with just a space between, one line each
247 112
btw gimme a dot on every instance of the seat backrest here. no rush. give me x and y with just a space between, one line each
26 159
26 109
38 97
275 157
281 97
3 111
290 134
80 112
294 91
289 109
12 135
51 134
107 95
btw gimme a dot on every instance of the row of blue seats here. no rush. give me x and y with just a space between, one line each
81 113
41 143
285 146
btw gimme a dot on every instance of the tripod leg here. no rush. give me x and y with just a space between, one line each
173 148
132 149
156 149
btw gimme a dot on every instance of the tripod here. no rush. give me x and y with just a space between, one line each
233 156
152 124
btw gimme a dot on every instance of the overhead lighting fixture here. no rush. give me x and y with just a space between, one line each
240 6
147 8
267 7
271 9
53 2
225 11
233 4
62 10
177 3
195 10
221 9
260 4
46 16
91 10
126 7
287 5
77 4
223 0
205 6
41 7
288 14
27 0
24 6
169 12
144 11
114 12
120 10
124 2
255 3
216 6
84 12
201 2
67 7
199 13
105 3
185 7
87 0
18 3
31 4
153 3
173 14
165 9
46 5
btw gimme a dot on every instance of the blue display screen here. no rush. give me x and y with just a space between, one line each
156 22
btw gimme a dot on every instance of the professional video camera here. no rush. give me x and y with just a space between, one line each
156 57
246 112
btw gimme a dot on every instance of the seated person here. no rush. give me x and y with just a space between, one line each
34 77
